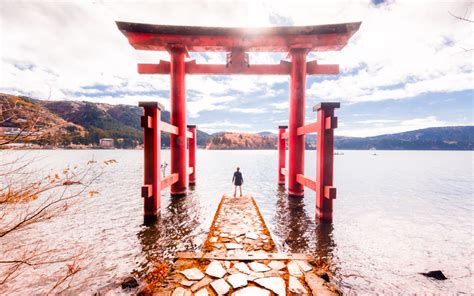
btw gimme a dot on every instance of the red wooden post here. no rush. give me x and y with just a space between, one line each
192 153
152 146
178 119
325 192
296 145
281 154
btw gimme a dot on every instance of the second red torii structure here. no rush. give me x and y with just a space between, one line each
296 41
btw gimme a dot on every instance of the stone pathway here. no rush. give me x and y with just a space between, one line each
238 227
238 234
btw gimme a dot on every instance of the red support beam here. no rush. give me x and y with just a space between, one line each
284 171
192 154
284 135
330 192
152 144
169 180
281 154
296 145
307 129
178 119
284 68
305 181
162 68
313 68
168 128
325 192
221 69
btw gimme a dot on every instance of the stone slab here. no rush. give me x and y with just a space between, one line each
274 284
192 274
220 286
215 269
242 267
181 292
202 283
232 246
276 265
304 266
294 269
258 267
237 280
202 292
187 283
251 235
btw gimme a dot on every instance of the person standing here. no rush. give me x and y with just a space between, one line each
238 181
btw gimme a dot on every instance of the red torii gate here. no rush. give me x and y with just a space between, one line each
296 41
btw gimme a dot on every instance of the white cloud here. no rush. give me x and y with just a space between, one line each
223 124
403 49
281 106
248 110
207 104
218 126
376 121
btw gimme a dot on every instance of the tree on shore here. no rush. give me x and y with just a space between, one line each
30 197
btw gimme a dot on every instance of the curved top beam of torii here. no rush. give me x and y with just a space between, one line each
237 41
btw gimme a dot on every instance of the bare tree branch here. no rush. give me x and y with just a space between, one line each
460 18
28 197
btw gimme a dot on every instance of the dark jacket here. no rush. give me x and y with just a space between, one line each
237 179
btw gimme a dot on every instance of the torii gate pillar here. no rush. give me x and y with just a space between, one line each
297 113
178 119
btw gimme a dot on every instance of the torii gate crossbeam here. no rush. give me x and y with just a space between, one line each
296 41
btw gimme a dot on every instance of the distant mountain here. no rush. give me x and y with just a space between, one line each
100 121
435 138
267 134
22 115
81 122
66 122
111 121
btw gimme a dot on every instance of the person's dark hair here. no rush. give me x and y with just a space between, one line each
238 169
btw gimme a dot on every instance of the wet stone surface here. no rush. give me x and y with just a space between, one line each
239 231
215 269
237 280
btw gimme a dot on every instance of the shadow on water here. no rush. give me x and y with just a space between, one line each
173 231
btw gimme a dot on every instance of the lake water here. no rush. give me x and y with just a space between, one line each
396 214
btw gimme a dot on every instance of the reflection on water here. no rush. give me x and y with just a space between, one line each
324 242
292 223
404 212
297 232
172 232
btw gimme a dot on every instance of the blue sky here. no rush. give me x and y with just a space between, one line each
406 68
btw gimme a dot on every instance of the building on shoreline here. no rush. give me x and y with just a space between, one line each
106 143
